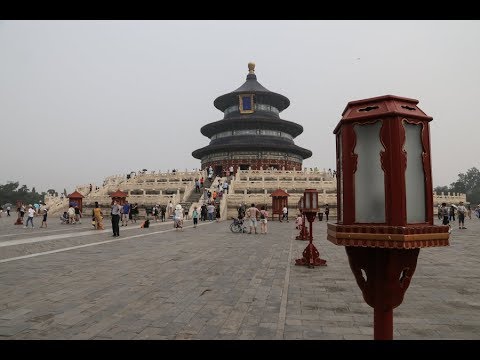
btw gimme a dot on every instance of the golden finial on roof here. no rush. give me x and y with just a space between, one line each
251 68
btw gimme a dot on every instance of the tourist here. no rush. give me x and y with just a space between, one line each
134 213
44 220
299 222
21 210
98 217
178 218
115 213
64 218
252 213
8 210
170 209
163 210
217 212
31 214
469 211
78 215
327 211
241 211
452 213
210 211
195 217
197 185
285 214
203 212
71 214
263 220
155 212
126 213
446 214
201 181
462 211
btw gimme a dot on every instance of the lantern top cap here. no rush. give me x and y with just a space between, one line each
381 98
382 107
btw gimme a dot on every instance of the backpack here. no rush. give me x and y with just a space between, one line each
262 215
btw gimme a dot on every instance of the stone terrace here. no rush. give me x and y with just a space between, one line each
72 282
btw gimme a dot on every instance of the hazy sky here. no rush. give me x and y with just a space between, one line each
82 100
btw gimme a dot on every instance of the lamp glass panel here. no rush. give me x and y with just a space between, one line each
414 174
369 177
308 204
315 201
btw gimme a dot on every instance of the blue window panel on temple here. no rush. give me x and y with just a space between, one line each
247 103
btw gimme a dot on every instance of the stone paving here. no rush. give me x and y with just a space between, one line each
73 282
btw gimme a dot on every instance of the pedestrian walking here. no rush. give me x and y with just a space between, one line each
31 214
44 220
195 217
115 213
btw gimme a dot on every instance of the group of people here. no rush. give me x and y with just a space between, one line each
31 211
448 214
254 216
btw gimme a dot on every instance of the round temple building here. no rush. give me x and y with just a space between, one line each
251 133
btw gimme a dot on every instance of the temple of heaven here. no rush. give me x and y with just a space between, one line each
251 133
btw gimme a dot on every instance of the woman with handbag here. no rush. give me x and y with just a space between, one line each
263 220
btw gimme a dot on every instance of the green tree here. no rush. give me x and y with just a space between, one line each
468 183
10 193
440 189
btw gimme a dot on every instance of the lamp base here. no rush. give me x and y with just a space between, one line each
311 257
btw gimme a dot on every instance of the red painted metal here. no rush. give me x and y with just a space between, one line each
311 256
348 171
386 252
388 273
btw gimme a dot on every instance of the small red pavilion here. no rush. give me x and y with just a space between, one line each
75 199
120 196
279 201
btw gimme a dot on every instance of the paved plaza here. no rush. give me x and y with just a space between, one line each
73 282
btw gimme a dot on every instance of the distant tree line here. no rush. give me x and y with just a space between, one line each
468 183
11 192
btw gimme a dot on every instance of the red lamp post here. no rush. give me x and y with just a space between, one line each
303 234
385 199
311 256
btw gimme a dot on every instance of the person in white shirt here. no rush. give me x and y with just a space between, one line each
461 211
71 215
31 214
178 217
285 214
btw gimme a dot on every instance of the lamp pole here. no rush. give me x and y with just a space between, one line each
311 256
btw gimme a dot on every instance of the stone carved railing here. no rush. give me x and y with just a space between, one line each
449 198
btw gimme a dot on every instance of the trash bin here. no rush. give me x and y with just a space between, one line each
320 216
